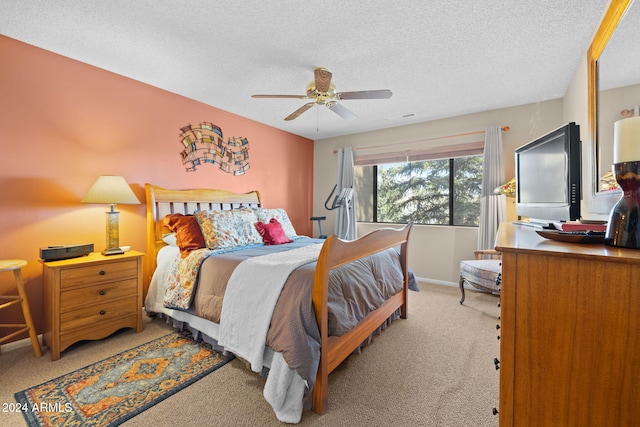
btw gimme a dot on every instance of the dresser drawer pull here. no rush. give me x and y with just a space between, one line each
102 272
102 292
102 312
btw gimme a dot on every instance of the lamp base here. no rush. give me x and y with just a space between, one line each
113 234
112 251
623 229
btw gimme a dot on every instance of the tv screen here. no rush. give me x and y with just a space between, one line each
548 176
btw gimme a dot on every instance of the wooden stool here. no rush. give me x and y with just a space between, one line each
15 265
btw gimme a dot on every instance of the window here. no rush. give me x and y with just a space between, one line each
435 191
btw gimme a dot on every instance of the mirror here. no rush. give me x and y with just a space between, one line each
613 93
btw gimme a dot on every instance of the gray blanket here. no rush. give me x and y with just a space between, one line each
355 289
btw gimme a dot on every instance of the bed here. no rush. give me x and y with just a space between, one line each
332 256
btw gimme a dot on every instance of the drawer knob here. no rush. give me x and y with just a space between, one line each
102 272
102 292
102 312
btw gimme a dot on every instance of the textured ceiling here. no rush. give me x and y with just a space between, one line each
440 58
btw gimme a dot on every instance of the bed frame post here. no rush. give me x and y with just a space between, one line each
150 258
320 297
404 264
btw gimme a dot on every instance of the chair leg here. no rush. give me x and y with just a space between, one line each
462 289
27 312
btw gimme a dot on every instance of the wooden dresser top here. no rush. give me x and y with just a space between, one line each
518 238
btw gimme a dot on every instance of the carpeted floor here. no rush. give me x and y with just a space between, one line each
433 369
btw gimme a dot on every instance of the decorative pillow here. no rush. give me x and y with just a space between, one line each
272 233
228 229
265 215
187 232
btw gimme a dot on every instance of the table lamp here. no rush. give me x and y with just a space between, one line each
623 229
111 190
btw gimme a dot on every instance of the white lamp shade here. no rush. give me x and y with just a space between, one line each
626 140
112 190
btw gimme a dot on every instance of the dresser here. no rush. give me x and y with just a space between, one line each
91 297
569 332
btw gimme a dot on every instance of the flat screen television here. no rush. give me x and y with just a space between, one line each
548 176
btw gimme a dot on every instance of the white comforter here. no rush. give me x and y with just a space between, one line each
250 298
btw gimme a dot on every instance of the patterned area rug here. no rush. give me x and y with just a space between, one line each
116 389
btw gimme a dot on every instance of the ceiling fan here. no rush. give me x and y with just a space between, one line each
324 93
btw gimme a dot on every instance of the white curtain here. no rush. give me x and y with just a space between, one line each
345 227
492 206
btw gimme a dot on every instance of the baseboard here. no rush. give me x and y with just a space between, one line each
437 282
14 345
445 283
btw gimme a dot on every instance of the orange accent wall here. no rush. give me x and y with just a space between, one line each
63 123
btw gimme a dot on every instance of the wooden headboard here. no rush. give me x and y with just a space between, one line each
161 201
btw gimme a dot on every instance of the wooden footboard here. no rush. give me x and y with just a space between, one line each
335 253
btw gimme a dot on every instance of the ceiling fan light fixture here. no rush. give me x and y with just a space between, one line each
320 97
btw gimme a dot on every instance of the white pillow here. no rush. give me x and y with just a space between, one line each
169 239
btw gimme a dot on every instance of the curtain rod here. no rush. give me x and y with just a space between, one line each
503 128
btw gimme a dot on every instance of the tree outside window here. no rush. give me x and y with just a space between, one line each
439 192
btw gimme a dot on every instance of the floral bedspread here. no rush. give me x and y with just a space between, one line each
183 278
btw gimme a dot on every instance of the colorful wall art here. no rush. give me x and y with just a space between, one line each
204 143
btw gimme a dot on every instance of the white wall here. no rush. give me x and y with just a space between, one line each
436 251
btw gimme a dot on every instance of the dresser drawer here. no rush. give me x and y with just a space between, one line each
71 277
98 313
97 294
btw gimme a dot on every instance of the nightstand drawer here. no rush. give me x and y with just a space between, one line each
97 294
98 313
71 277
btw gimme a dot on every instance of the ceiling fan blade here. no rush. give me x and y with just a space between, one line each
299 111
322 79
341 111
281 96
365 94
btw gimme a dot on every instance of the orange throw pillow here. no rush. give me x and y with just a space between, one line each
188 234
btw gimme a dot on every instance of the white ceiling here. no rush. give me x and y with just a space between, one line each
440 58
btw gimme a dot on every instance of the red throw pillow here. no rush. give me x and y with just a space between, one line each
188 234
272 233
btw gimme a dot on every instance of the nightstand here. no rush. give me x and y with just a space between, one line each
91 297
